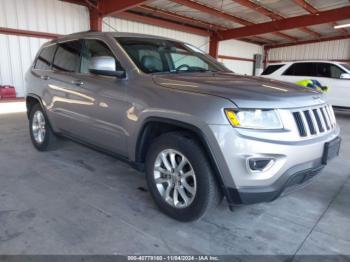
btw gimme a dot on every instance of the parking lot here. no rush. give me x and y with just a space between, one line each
77 201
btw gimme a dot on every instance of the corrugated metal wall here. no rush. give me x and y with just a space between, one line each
240 49
51 16
339 49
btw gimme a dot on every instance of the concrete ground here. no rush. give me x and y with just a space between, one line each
78 201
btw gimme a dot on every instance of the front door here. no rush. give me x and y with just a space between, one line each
108 110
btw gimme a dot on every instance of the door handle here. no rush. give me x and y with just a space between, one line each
45 77
77 82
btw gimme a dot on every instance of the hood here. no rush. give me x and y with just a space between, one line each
244 91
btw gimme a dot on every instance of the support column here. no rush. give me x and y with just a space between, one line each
214 47
266 56
95 20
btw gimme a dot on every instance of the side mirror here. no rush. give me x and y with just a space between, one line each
345 76
106 66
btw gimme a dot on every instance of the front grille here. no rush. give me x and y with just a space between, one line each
314 121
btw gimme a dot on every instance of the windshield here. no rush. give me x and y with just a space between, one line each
347 66
164 56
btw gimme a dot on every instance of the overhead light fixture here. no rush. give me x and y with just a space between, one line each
341 26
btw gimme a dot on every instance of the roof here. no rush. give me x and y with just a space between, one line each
113 34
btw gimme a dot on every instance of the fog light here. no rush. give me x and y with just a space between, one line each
260 164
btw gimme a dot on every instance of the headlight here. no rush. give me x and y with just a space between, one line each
254 118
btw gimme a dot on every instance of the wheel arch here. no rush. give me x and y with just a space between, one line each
155 126
31 101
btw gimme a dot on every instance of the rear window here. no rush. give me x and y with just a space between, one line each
271 69
45 57
67 57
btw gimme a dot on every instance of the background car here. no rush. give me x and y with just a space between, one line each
335 75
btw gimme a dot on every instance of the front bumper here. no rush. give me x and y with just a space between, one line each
286 183
296 162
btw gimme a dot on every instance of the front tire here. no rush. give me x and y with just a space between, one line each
40 131
180 178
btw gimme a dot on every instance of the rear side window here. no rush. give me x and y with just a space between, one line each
271 69
92 49
44 60
329 70
67 56
301 69
347 66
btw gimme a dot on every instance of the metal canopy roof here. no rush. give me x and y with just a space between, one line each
282 8
249 20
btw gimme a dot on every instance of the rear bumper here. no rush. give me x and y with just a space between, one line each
294 178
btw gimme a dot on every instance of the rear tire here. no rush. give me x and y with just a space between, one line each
41 134
197 189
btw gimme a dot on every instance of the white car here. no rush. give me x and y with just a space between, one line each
335 75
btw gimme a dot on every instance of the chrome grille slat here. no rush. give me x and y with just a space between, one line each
303 118
328 116
322 119
326 121
318 120
299 123
314 122
309 122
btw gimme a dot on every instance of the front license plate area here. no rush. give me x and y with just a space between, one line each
331 150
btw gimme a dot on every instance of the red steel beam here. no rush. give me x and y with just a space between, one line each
95 20
214 46
212 11
288 23
111 7
274 16
18 32
236 58
178 18
162 23
218 13
324 39
312 10
306 6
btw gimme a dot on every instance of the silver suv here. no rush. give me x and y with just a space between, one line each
199 131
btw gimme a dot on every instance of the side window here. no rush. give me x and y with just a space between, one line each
329 70
44 60
323 70
301 69
67 56
92 49
271 69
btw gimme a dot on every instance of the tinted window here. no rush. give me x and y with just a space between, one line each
67 56
301 69
347 66
271 69
161 55
92 49
45 57
328 70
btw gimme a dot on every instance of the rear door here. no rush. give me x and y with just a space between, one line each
69 103
328 74
42 70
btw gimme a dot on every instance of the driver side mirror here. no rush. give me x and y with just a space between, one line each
345 76
106 66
